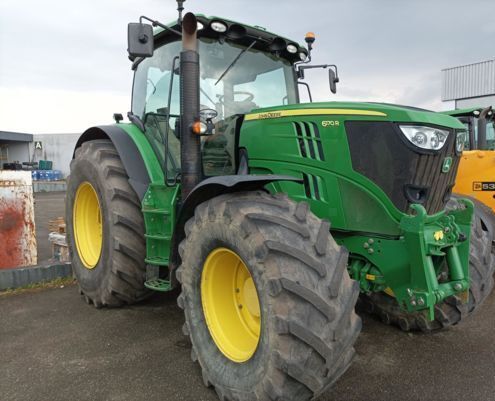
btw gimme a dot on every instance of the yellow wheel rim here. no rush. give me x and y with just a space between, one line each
230 304
88 230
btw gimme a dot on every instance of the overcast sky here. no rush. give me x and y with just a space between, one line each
64 66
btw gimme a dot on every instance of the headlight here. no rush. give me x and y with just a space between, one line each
292 48
303 56
425 137
218 26
460 141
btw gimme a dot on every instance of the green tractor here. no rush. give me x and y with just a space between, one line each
270 215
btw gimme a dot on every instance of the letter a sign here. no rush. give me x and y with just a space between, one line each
38 145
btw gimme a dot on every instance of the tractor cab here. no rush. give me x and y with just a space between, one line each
479 123
241 69
475 175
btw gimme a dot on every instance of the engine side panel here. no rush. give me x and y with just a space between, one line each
315 149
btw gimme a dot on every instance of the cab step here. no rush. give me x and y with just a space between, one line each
157 261
158 284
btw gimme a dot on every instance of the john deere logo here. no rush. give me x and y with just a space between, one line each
447 163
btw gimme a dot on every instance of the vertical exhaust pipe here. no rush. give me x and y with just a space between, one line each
482 121
190 153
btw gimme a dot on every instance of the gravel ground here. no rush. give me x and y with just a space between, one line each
55 347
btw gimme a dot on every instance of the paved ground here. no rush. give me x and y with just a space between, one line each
55 347
48 206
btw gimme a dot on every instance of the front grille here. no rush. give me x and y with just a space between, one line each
441 184
381 153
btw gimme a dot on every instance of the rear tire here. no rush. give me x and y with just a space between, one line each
308 324
452 310
486 215
118 276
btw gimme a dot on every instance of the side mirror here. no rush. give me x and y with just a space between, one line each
139 40
333 79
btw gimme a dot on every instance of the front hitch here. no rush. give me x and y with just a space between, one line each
438 247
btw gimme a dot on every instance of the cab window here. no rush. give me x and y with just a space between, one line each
256 80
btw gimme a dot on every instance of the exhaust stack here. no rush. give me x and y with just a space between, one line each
190 154
482 120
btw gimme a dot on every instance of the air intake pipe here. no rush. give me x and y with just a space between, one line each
190 154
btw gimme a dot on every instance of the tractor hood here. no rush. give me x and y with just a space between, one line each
376 111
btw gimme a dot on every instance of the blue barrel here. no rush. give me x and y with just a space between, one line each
57 175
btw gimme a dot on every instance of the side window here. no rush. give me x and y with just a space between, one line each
152 82
158 84
467 145
150 100
490 135
218 150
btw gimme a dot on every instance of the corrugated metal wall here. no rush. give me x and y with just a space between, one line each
469 81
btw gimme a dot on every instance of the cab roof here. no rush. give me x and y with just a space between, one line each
239 33
470 112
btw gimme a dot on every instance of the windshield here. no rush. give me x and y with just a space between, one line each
255 80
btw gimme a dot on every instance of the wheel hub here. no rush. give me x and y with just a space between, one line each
87 222
230 304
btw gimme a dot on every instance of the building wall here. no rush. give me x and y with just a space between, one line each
56 147
17 151
468 81
484 101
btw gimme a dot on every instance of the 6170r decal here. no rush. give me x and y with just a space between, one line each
483 186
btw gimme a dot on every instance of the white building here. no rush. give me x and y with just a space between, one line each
471 85
20 148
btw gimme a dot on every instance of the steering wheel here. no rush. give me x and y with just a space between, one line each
249 95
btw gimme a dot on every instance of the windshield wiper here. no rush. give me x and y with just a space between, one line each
235 61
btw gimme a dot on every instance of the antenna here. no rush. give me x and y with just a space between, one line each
180 8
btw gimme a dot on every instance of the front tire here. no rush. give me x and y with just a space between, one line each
307 326
105 227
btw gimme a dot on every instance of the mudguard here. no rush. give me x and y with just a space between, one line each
129 154
210 188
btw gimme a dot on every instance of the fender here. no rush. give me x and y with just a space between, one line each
132 160
210 188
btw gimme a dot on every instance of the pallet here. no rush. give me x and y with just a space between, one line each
57 225
60 252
